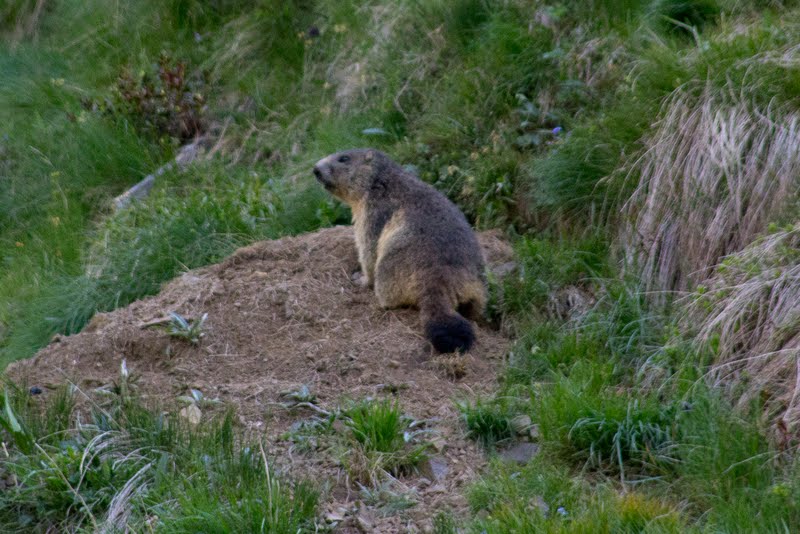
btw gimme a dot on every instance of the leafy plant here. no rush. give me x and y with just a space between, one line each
9 421
189 331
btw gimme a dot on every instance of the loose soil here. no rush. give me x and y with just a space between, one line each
283 314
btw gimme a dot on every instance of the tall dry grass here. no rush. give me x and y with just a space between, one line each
750 313
716 171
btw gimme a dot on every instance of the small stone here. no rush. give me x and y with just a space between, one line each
502 270
520 453
334 517
438 468
538 503
192 414
339 427
533 432
337 516
439 444
35 390
438 488
365 522
521 423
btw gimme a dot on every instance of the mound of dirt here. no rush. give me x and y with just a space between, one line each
283 314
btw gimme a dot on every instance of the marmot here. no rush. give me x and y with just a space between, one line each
415 246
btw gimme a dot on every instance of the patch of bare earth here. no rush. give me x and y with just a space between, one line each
283 314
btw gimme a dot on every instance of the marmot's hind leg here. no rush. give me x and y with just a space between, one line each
394 283
393 293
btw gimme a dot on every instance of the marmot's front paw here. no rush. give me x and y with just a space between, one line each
359 279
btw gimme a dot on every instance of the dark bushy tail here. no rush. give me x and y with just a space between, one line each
447 330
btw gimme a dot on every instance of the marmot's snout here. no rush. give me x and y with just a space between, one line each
323 175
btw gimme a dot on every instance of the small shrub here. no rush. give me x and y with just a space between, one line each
168 101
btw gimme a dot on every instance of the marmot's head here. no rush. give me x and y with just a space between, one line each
349 175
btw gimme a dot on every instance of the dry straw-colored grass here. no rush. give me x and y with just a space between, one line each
717 170
750 310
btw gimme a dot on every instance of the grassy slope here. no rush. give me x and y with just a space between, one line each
529 114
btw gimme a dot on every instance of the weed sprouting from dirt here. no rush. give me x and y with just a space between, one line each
181 328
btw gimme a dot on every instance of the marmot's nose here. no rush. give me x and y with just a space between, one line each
317 172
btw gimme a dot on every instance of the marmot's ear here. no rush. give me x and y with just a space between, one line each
369 155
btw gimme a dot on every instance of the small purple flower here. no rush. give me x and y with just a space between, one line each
557 130
561 511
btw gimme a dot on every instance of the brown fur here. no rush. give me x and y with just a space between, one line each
414 245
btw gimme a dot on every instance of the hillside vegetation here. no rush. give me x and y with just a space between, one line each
643 156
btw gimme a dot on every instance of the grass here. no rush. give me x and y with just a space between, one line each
377 426
647 418
543 497
546 268
488 422
631 149
692 178
124 464
382 440
748 314
373 440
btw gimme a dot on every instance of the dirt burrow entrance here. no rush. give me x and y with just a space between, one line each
283 314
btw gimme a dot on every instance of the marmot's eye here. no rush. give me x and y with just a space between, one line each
344 159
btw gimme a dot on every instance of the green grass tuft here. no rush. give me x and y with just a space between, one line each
381 440
488 421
